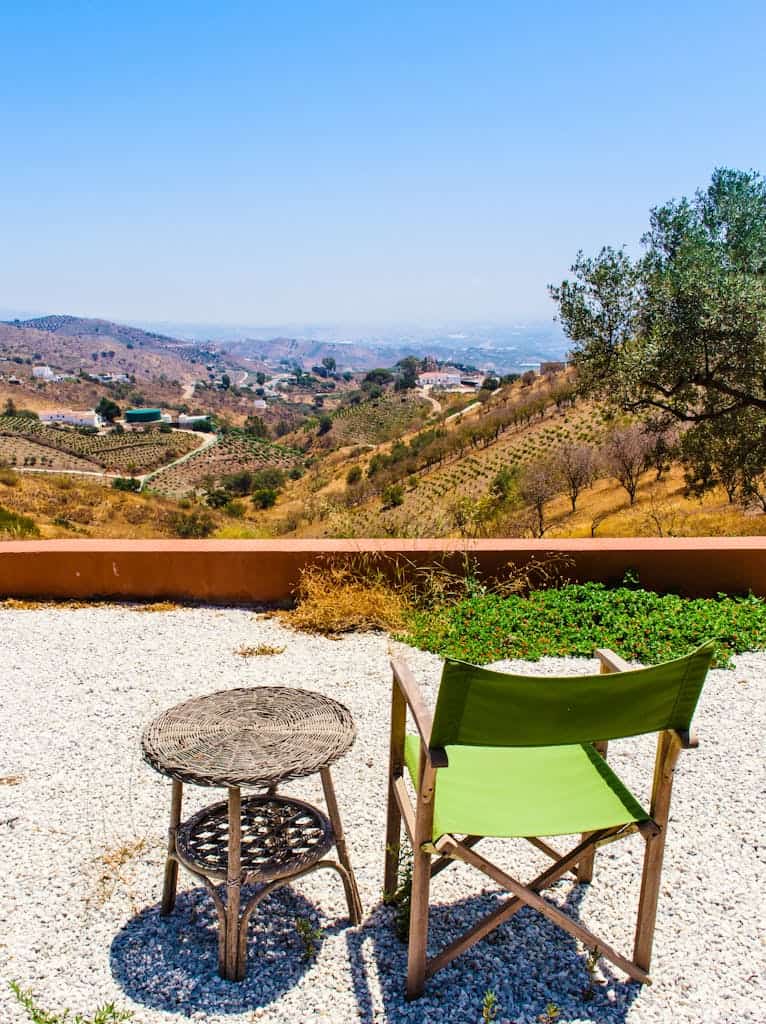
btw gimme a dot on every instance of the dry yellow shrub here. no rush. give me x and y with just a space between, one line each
342 598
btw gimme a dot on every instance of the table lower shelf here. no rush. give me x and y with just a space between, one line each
280 836
279 839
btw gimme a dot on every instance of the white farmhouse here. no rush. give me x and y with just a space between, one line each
73 418
448 377
43 373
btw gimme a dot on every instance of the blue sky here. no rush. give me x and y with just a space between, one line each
278 162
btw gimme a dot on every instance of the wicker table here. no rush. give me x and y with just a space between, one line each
258 738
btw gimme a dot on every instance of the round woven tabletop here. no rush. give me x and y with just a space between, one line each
249 737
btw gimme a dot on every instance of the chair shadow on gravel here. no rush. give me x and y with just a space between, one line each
171 963
527 962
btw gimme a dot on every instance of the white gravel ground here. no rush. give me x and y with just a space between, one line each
79 685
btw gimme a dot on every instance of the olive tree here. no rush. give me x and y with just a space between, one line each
682 329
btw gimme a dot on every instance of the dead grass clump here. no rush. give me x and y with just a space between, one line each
261 650
8 476
345 597
11 780
112 863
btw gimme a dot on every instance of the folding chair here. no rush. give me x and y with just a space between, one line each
511 756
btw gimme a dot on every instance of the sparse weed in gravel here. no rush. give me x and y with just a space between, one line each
259 651
310 936
112 862
550 1014
106 1014
11 780
591 966
489 1006
401 898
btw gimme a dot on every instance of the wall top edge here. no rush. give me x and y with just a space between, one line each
393 545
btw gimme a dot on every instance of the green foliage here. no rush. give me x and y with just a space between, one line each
401 898
106 1014
126 483
682 330
576 619
354 475
108 409
265 497
271 477
325 423
379 377
393 495
15 525
194 526
255 426
217 498
309 936
489 1006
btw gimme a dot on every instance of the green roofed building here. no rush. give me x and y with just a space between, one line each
143 415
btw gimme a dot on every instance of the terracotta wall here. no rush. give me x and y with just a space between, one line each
221 572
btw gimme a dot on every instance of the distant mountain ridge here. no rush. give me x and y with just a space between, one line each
497 348
78 326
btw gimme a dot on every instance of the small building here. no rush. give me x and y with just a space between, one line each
73 417
194 420
43 373
143 416
448 377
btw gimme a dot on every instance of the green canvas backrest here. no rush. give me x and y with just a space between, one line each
481 708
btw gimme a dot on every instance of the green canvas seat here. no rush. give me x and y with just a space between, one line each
513 792
525 757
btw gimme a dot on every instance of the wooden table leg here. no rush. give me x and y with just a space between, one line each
352 892
171 864
233 969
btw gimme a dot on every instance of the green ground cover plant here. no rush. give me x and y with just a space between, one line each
573 620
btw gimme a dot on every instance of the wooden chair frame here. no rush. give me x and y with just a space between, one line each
418 822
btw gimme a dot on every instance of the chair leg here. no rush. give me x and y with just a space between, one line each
395 768
418 941
171 864
393 842
668 748
648 900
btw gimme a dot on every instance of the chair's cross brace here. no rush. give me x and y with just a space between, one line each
527 894
505 911
446 859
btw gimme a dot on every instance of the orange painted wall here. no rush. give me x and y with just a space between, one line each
231 572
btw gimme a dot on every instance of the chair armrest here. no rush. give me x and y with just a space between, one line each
611 662
421 715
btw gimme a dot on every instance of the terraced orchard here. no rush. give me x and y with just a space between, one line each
229 454
429 495
55 448
379 419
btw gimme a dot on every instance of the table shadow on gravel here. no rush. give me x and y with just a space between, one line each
527 962
171 963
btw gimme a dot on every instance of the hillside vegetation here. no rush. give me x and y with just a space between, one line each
26 442
231 453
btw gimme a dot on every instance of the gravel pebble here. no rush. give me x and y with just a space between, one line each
80 684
